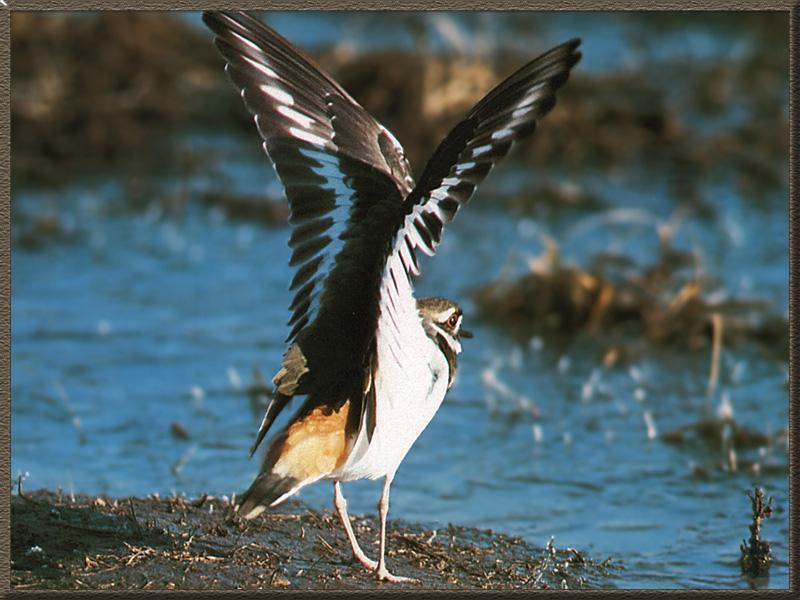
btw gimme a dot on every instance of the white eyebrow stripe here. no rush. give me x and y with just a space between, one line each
443 316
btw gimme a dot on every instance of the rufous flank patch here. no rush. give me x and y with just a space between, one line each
315 445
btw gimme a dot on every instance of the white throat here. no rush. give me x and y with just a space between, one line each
454 344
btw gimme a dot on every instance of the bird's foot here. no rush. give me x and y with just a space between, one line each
365 560
382 574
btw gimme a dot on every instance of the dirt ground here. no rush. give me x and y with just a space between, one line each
61 542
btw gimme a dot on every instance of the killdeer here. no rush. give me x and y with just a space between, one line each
372 362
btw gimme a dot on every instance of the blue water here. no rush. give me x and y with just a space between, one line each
135 317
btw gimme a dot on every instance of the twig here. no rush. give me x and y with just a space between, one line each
421 547
133 517
73 415
756 554
713 376
326 545
24 496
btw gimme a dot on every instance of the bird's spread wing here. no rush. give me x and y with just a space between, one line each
319 139
345 176
464 158
357 218
509 112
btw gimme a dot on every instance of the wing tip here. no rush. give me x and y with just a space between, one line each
215 19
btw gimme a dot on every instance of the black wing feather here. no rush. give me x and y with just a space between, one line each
466 156
335 162
459 164
311 129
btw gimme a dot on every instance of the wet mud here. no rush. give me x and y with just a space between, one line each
99 543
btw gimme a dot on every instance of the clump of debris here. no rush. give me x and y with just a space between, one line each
75 108
756 554
671 301
102 89
64 542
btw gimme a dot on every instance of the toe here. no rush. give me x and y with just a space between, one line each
368 563
384 575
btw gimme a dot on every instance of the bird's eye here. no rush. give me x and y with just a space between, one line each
453 321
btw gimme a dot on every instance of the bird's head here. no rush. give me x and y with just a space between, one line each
443 317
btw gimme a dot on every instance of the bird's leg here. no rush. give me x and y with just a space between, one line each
381 572
341 507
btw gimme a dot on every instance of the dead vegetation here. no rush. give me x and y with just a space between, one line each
76 109
756 554
669 302
59 542
101 90
732 447
723 436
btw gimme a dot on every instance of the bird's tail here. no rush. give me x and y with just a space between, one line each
313 446
269 489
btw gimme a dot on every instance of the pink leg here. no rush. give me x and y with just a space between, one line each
382 573
341 507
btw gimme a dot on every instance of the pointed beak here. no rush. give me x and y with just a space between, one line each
465 334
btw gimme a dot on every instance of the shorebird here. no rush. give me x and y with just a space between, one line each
372 362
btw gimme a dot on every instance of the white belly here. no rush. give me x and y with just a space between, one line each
406 403
410 379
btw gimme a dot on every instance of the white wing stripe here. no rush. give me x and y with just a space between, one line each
262 68
522 111
440 193
304 135
435 209
278 94
500 134
246 42
295 116
481 150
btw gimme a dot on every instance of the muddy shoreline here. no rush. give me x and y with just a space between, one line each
76 112
60 541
